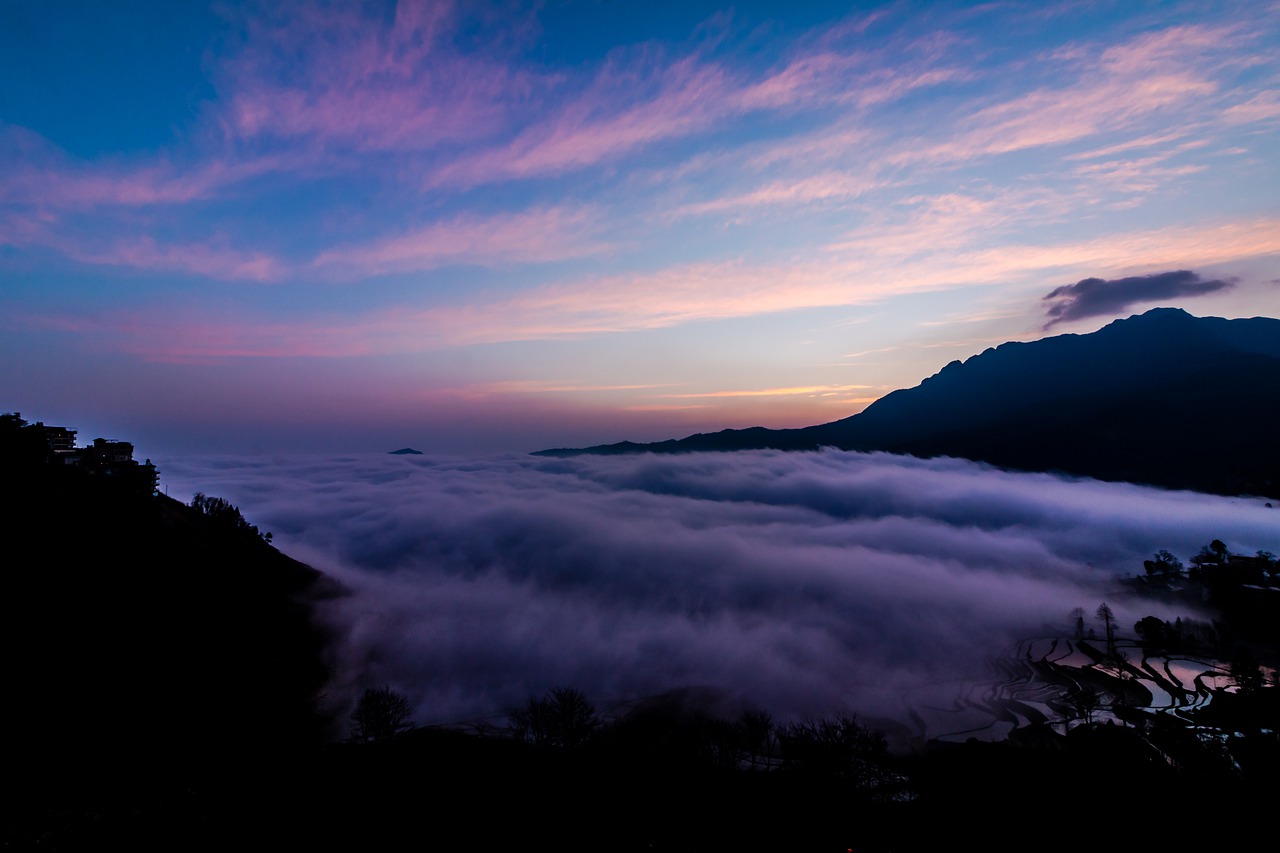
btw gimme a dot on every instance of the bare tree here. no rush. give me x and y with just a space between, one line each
757 736
563 717
1085 702
380 713
839 748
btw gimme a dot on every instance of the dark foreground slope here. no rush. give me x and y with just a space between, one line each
150 651
1162 398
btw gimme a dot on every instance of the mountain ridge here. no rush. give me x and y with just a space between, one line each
1161 398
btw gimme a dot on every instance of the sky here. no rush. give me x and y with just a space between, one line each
475 228
804 584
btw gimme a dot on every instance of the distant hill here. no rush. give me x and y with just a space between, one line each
1162 398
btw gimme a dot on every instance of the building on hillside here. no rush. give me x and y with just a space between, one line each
111 452
105 457
61 439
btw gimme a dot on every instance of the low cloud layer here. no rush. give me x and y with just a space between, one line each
1097 297
809 583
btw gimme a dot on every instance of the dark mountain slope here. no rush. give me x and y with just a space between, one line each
145 644
1162 398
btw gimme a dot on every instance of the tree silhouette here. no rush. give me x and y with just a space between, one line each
1269 562
840 748
1108 620
1164 563
756 736
1213 554
1085 701
1077 617
225 514
1246 675
563 717
380 713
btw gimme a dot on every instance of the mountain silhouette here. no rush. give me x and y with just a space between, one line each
149 646
1161 398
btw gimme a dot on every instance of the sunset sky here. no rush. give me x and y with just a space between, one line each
477 228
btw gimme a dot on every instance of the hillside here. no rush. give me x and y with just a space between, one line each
148 647
1161 398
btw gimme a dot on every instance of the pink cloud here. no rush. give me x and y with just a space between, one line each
897 261
1140 175
1124 83
1260 107
1171 247
1056 117
339 76
799 81
1149 141
176 335
683 98
1170 48
592 128
204 259
827 186
43 176
538 235
214 259
71 188
538 386
790 391
665 298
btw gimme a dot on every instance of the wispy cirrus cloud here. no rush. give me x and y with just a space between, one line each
799 390
412 178
902 264
41 176
531 236
1112 91
204 259
73 187
311 80
1261 107
826 187
340 76
683 97
636 102
213 258
175 335
537 386
661 299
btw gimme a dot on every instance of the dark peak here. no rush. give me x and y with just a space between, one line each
1164 317
1164 312
1162 398
1173 323
1175 328
405 451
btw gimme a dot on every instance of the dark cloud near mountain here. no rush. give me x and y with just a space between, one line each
1098 297
804 583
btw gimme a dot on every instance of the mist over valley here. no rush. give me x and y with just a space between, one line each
801 583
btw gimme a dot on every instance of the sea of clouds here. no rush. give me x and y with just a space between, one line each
801 583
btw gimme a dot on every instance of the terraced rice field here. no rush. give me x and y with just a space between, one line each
1064 683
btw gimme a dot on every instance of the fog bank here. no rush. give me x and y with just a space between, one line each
803 583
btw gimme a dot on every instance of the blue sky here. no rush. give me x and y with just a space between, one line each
478 227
